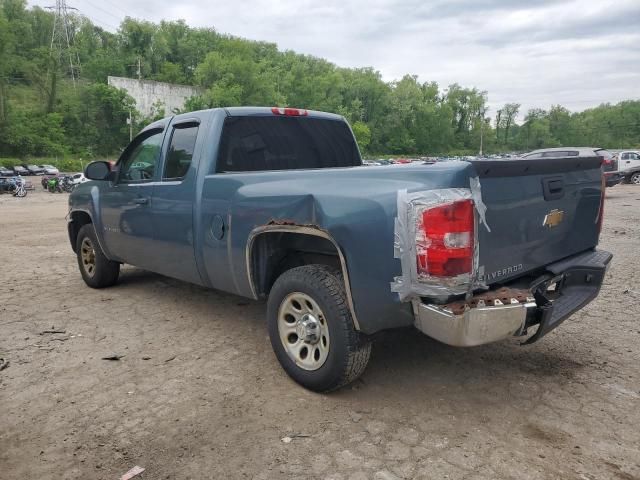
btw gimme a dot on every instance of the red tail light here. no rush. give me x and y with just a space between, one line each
445 238
289 112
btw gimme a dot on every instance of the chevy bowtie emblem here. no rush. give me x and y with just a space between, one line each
553 218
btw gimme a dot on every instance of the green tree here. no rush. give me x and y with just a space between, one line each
362 134
41 111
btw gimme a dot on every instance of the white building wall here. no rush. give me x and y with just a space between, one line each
148 93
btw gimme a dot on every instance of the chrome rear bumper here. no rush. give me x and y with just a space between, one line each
475 326
566 287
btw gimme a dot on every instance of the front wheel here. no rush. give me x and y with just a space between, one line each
97 270
311 329
635 178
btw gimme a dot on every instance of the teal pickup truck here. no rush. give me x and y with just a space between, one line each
274 203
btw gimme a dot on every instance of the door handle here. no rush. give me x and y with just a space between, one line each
553 188
141 200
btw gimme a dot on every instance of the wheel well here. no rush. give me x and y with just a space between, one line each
273 253
78 220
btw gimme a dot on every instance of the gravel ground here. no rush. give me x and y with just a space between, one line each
198 392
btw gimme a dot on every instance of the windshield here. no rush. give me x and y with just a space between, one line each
256 143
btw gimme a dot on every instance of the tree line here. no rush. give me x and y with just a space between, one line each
44 113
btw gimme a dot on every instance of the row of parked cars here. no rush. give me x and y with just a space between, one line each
622 166
26 170
619 166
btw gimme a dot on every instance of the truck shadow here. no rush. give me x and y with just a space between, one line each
405 358
402 360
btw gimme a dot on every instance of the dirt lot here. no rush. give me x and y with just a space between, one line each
199 394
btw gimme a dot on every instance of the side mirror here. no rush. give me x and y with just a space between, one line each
99 170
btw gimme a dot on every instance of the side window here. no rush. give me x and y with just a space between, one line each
139 165
560 153
180 153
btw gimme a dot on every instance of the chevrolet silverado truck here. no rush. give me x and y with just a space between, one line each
274 204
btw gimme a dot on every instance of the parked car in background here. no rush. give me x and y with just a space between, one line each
20 170
50 170
629 166
609 163
5 185
6 172
34 170
78 178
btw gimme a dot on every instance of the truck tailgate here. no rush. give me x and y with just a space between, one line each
538 211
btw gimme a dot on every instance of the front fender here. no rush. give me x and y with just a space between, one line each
86 199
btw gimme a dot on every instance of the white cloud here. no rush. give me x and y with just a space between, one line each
578 53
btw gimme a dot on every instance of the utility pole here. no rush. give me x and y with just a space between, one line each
483 112
138 66
62 37
130 122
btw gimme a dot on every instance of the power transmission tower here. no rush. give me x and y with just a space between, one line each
62 38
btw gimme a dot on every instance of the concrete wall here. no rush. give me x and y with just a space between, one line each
148 93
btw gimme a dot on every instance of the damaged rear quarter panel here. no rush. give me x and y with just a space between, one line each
356 207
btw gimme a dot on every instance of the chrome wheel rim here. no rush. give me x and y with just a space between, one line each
303 331
88 256
635 179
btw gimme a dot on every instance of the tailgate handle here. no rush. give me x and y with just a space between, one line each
553 188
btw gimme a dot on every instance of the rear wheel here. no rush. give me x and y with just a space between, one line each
635 178
97 270
311 329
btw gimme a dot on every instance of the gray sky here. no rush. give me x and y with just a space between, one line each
536 52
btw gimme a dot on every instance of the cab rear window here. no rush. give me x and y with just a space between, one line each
259 143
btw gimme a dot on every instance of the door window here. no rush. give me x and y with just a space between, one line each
183 142
140 162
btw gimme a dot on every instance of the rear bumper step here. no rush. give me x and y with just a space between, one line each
488 317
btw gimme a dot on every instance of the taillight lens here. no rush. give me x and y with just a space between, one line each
445 237
289 112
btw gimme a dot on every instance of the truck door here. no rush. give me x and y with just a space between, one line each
124 205
173 201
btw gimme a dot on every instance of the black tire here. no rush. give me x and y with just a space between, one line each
635 178
348 352
100 273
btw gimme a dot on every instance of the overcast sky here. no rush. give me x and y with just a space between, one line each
536 52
